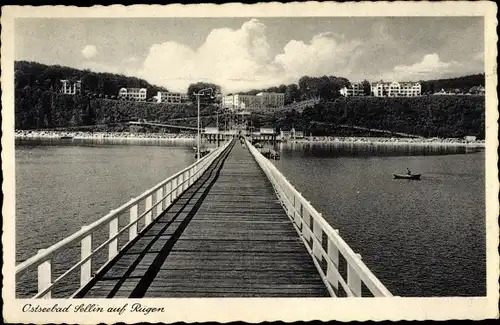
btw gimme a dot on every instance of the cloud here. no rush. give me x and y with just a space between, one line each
325 54
429 67
110 68
89 51
131 59
241 59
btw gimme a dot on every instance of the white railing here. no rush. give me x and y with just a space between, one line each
312 228
156 200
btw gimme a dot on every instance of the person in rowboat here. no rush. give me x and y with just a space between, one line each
408 172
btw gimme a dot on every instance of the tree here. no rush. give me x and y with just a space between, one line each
305 84
292 93
196 87
282 88
367 89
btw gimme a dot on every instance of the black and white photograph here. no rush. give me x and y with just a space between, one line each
267 152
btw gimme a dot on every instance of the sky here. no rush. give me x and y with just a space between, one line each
252 53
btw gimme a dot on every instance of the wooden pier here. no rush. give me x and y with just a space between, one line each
230 225
226 236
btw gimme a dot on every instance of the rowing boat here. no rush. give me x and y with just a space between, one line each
406 176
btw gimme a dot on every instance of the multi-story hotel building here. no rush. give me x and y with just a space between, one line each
396 89
133 93
248 101
239 101
356 89
172 98
71 88
228 101
272 99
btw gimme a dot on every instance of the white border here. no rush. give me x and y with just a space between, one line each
257 310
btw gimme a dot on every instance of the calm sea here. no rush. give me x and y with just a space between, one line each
421 238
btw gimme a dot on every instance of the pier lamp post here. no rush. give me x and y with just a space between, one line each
202 92
218 96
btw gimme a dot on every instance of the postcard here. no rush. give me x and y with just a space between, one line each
265 162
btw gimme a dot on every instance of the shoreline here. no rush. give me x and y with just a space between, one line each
176 137
390 142
125 136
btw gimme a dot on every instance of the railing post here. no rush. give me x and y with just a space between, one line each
113 245
45 276
333 255
318 233
86 268
149 204
133 217
180 185
159 198
297 217
169 196
164 201
174 188
306 225
353 280
190 175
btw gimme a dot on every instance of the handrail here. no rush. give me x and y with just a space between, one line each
297 208
172 185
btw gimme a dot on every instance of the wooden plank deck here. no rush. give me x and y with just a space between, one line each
226 236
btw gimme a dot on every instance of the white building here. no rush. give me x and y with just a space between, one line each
228 101
71 88
248 101
172 98
443 92
238 101
263 99
133 93
267 131
477 90
356 89
396 89
211 130
271 99
291 134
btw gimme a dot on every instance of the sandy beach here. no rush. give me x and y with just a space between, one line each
393 141
54 135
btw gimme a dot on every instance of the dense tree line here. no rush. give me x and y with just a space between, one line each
46 109
463 84
43 77
209 92
39 104
326 87
429 116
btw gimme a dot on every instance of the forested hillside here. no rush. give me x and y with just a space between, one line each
39 104
326 87
51 110
429 116
461 83
43 77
